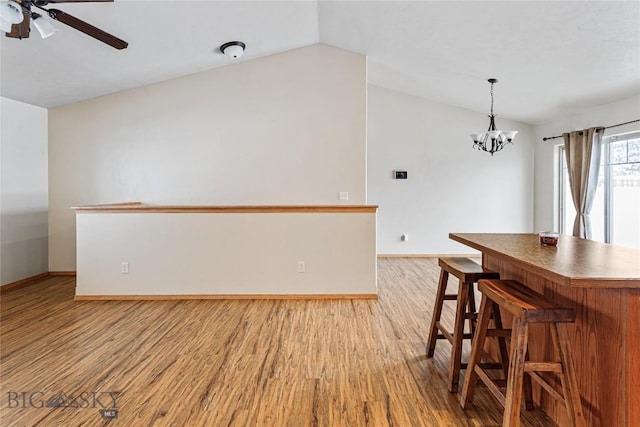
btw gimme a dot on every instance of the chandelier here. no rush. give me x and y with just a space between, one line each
493 140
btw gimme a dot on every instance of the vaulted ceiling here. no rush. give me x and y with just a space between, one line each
551 57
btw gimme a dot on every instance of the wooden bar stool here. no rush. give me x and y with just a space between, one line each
468 272
527 307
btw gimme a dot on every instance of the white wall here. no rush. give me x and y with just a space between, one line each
546 180
450 187
284 129
226 254
23 190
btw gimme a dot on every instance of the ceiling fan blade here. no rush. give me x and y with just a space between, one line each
45 2
87 28
21 30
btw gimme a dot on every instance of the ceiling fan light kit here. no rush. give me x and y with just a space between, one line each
43 26
19 27
233 49
493 140
5 25
10 14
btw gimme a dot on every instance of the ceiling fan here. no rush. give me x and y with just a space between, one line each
16 17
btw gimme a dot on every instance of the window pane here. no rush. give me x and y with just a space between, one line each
634 150
625 205
597 210
569 208
618 152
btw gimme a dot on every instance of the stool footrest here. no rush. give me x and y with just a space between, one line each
450 297
544 384
445 333
502 333
487 366
491 365
441 337
449 336
491 385
501 384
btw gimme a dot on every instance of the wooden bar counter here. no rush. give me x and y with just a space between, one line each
601 282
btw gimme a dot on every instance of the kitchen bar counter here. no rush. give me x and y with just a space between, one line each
601 282
574 262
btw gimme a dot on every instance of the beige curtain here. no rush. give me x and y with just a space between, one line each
583 149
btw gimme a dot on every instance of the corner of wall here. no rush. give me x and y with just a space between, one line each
23 190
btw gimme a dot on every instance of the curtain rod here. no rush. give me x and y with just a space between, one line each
608 127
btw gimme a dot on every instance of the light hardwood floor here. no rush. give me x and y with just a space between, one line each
239 363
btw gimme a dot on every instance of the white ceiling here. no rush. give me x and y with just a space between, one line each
555 57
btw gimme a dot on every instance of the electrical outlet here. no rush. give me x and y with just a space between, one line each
124 268
344 195
301 267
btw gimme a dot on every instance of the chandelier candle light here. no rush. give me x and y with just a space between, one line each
493 140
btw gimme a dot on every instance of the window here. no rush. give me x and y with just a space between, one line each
615 215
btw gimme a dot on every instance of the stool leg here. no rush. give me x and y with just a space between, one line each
568 376
503 354
528 391
472 309
458 331
437 312
513 397
477 348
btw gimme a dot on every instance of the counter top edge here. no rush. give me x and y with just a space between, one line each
139 207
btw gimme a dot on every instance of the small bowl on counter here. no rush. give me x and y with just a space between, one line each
549 238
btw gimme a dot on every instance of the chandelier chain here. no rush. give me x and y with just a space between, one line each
492 99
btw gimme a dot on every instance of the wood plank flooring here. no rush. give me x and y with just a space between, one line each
233 363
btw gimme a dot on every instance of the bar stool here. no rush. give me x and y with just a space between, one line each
526 306
468 272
